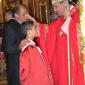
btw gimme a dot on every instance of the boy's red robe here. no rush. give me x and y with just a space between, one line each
33 70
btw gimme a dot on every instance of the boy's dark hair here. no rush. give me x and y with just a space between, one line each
25 26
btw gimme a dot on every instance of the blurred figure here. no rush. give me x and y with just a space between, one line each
8 14
58 47
33 69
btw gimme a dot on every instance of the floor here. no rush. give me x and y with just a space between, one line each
3 79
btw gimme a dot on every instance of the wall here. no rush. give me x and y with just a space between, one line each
34 7
1 12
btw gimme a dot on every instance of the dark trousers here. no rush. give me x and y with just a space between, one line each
13 69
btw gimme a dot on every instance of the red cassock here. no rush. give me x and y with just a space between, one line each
57 53
33 70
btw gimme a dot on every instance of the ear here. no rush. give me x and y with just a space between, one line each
28 32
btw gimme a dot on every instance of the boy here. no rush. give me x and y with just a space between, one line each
33 70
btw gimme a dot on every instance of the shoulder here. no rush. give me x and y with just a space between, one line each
32 48
74 10
11 24
57 22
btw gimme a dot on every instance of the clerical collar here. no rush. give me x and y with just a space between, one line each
31 41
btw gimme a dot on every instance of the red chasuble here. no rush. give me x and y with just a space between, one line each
57 53
56 47
33 70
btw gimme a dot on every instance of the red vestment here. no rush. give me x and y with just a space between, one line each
33 70
48 45
57 52
75 14
56 48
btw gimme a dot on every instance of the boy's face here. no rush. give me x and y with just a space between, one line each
33 32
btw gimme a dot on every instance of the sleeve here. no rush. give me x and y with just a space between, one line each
11 45
52 36
25 67
45 27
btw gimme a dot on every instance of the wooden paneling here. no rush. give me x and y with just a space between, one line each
1 12
36 10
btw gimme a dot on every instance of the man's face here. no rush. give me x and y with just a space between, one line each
59 9
34 31
22 14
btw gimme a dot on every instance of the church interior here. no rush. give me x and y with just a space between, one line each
42 11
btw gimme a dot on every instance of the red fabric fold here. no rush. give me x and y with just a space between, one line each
57 52
33 70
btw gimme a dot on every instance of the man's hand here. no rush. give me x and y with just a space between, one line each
23 43
28 17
